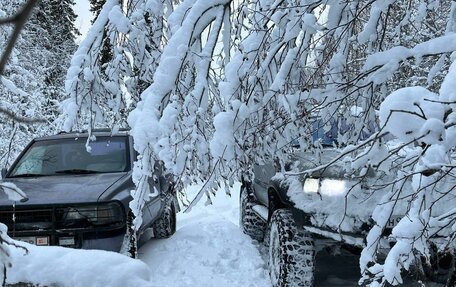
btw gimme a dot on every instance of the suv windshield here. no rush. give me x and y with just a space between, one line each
63 156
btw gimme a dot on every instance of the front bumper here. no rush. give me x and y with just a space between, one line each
49 225
110 240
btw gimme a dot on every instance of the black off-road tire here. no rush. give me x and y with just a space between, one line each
131 238
250 222
291 252
165 225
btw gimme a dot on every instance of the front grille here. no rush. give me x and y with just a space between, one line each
40 219
59 217
29 219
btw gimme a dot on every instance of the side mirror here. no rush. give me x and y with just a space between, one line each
4 170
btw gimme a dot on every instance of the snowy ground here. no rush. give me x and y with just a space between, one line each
208 249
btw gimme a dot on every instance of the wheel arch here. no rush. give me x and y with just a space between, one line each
276 201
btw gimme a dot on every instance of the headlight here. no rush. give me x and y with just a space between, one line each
311 185
328 187
100 214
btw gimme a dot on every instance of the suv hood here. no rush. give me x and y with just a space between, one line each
63 189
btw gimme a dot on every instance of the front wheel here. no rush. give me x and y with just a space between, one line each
165 225
250 222
291 252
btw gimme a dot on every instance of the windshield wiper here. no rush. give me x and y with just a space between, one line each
28 175
77 171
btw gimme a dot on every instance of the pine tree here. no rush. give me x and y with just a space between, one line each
106 49
33 82
95 8
63 34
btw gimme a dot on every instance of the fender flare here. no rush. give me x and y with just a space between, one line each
277 199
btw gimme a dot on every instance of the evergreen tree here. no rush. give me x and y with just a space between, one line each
33 82
95 8
106 49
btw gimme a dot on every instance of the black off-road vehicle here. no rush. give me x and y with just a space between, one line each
79 192
298 216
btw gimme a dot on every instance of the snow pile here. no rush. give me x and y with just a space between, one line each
47 265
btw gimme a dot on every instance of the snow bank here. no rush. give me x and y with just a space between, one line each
47 265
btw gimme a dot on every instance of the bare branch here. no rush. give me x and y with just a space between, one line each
20 119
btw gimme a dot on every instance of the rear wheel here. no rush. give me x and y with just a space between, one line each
291 252
250 222
165 225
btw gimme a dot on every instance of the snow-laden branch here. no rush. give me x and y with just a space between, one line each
82 67
154 121
436 46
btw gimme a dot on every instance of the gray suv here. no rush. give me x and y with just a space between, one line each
79 192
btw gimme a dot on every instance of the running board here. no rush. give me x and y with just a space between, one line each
340 237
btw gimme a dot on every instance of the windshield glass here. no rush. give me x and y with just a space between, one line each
107 154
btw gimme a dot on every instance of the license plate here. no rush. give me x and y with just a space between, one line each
393 221
35 240
66 241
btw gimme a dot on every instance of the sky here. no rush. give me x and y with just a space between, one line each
81 8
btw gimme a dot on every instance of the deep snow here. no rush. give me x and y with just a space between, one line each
208 249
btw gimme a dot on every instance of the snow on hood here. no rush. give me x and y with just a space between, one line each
343 203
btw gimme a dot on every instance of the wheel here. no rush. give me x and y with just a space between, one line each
250 222
291 252
165 225
130 243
